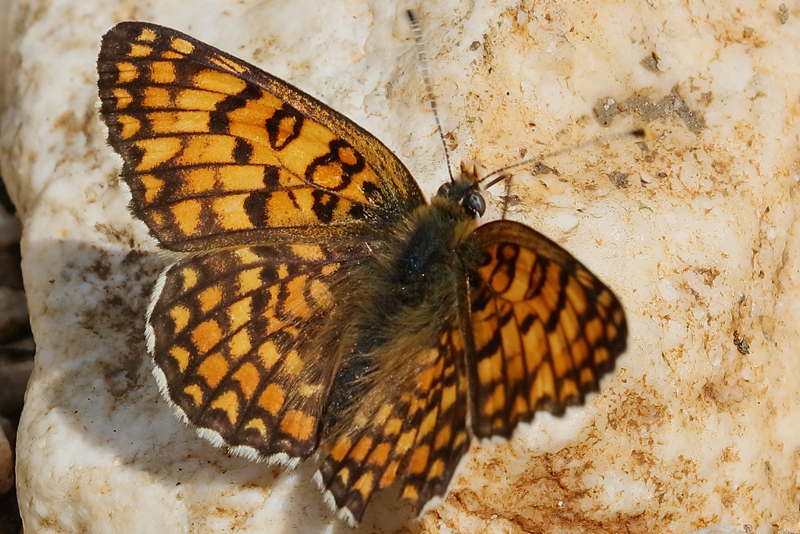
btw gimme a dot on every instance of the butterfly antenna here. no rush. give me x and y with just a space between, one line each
500 174
423 61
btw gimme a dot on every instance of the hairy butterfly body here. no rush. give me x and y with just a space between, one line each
318 303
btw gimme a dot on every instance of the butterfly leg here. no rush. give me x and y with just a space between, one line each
506 197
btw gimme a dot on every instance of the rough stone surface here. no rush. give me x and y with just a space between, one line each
692 432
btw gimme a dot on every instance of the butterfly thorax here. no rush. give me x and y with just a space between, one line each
429 241
428 246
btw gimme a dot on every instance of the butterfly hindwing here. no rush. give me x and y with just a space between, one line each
414 438
229 334
442 437
219 153
545 329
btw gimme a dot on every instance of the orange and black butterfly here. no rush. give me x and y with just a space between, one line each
318 303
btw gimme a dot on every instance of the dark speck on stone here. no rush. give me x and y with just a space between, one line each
619 179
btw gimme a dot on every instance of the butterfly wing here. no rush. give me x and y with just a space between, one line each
218 153
415 436
542 332
232 333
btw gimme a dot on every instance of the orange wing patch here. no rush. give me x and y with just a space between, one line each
227 333
544 329
218 153
415 438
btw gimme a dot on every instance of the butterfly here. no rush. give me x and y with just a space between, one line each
318 305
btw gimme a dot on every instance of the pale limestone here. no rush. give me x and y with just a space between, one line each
688 434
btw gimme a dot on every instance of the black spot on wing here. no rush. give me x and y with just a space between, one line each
255 205
242 151
324 205
283 117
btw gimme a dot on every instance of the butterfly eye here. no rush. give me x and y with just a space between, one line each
474 203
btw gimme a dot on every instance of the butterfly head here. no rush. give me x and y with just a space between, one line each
465 193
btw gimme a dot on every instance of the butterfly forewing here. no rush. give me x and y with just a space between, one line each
219 153
545 329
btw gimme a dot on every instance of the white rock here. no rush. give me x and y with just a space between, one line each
665 447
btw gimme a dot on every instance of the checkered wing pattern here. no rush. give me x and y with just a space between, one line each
218 153
229 334
543 329
414 438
